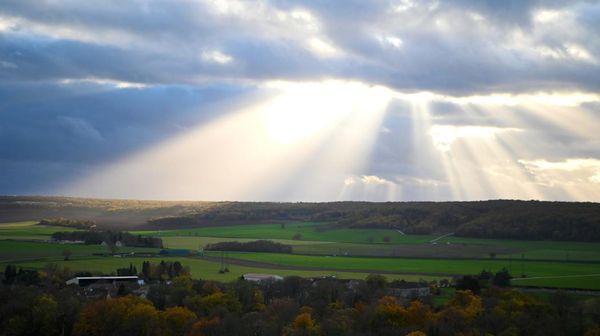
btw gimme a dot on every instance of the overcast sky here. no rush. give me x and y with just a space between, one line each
301 100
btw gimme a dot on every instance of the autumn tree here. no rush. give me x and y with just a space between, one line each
303 325
217 304
339 322
176 320
419 315
127 315
180 288
44 315
389 314
459 314
204 326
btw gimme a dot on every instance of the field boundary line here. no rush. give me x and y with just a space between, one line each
259 264
440 237
556 277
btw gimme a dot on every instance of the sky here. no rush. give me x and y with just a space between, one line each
279 100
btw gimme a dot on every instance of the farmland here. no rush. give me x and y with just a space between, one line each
372 242
346 253
442 267
200 268
28 230
193 243
14 251
308 231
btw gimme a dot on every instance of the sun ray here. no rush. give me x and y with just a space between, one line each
254 152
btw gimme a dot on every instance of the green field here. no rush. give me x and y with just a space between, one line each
346 252
433 266
13 250
29 230
370 242
307 230
591 281
200 268
529 249
194 243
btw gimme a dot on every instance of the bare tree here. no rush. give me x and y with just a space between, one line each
67 254
112 247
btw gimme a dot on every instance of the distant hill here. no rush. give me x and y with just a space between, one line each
107 213
502 219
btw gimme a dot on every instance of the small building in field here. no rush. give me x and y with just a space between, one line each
111 280
408 289
175 252
63 242
256 277
94 287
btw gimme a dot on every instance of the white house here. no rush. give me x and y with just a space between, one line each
255 277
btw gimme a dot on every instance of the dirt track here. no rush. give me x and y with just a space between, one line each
249 263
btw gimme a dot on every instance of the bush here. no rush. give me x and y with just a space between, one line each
252 246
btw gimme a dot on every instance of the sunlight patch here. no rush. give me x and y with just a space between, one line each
390 41
104 82
302 139
322 48
366 179
444 135
545 16
216 56
570 171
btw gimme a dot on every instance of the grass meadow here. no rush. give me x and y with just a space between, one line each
347 253
200 268
372 242
542 269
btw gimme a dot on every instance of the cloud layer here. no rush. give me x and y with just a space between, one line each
83 85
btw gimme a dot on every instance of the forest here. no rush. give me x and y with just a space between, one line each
504 219
251 246
39 303
70 223
529 220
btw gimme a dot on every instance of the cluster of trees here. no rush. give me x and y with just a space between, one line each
548 224
485 279
109 237
131 270
165 270
251 246
130 315
490 219
293 306
12 275
72 223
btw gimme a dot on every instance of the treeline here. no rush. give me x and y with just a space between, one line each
251 246
489 219
484 280
71 223
293 306
109 237
165 270
504 219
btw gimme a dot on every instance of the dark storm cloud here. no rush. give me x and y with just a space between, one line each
52 133
444 47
